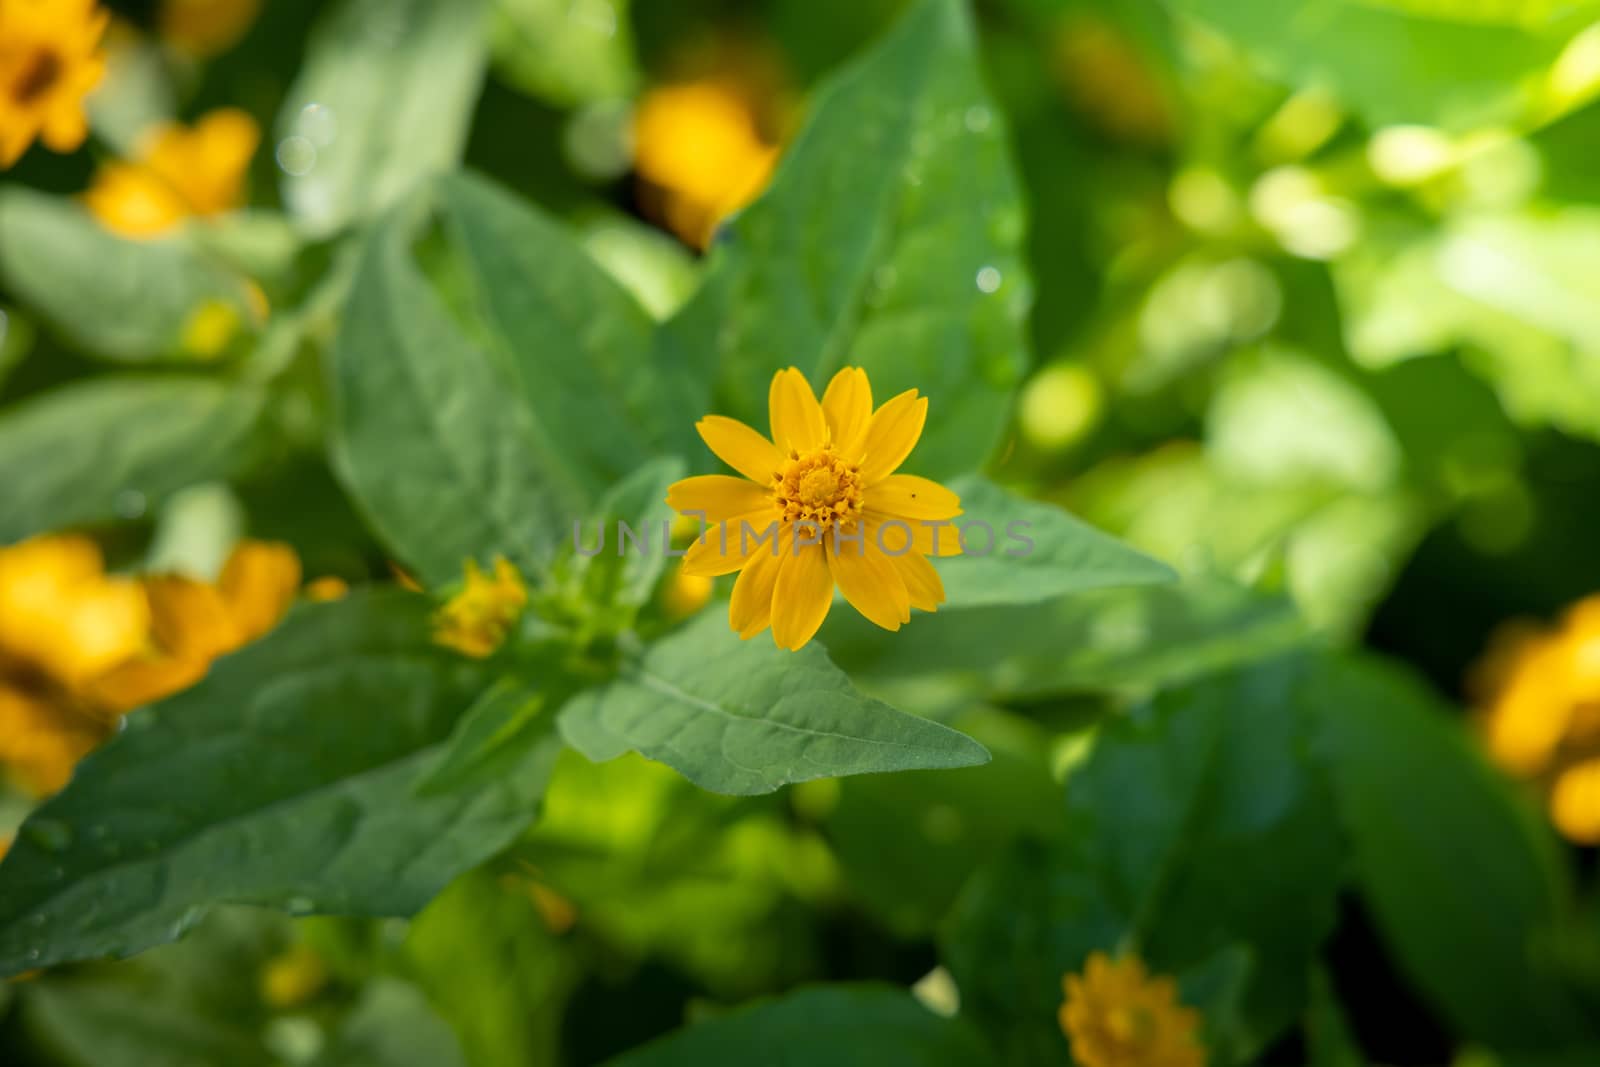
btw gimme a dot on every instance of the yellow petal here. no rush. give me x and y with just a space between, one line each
797 421
133 201
741 448
896 535
891 435
923 585
847 405
144 681
724 547
718 497
870 582
750 610
191 619
911 497
258 584
801 597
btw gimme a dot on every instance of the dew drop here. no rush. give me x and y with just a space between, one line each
318 124
129 504
296 155
988 280
52 835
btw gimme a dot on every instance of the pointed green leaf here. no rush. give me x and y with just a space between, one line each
576 347
429 435
1461 880
1021 551
891 238
745 717
285 778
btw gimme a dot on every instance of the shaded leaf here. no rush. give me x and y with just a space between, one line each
285 778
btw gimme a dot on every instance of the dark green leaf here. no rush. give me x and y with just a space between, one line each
285 778
1461 880
746 717
116 447
826 1026
1160 851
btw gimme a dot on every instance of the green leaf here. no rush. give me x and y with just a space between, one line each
1329 1040
574 345
1461 880
483 957
100 1023
891 239
564 51
285 778
744 717
622 572
428 434
492 738
116 447
384 98
1139 637
120 300
1160 851
825 1026
1021 551
1455 63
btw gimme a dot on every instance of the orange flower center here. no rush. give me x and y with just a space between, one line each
819 487
40 72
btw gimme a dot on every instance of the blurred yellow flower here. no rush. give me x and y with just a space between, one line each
1107 80
825 484
476 620
50 60
79 647
293 977
61 615
209 329
194 622
685 594
205 28
701 154
178 172
1539 689
326 588
1116 1015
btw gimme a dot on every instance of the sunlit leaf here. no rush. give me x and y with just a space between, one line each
746 717
890 239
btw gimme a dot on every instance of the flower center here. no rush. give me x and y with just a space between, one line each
818 487
40 72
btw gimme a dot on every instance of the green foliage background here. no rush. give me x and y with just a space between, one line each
1295 420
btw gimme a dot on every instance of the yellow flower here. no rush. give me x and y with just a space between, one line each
685 594
1115 1015
41 743
61 615
825 485
194 623
476 620
205 28
294 977
328 587
697 146
1540 691
50 59
177 172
